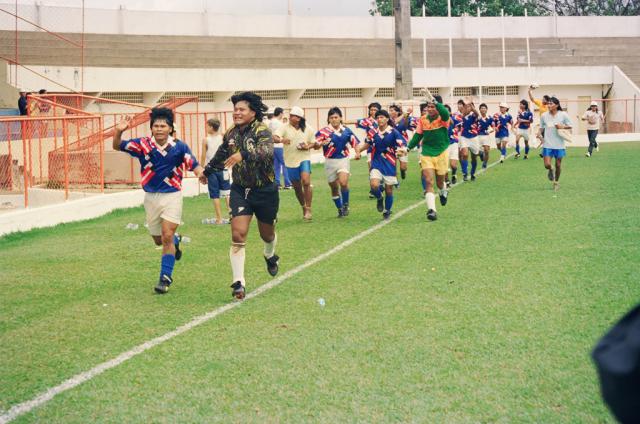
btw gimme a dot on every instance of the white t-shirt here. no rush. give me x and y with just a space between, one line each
274 125
552 139
292 155
594 119
213 142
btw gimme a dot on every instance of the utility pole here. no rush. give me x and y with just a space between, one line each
404 66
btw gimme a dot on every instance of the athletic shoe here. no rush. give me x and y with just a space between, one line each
403 173
177 245
541 155
371 196
550 175
444 195
465 177
454 180
340 213
432 215
597 148
345 210
288 187
525 157
163 284
272 265
386 215
473 177
484 165
379 205
517 156
238 290
501 159
588 155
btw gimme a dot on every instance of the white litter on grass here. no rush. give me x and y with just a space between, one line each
44 397
321 302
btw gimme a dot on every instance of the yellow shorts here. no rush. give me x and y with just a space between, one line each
439 163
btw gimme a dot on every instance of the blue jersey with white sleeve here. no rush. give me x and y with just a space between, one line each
383 150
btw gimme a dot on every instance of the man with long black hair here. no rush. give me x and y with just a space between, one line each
163 161
247 148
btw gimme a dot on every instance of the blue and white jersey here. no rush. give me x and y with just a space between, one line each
383 150
161 168
469 126
502 123
455 128
335 143
527 116
484 124
406 124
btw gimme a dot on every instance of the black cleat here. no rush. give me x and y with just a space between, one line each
163 284
550 175
238 290
386 215
465 177
403 174
454 180
525 157
444 195
340 213
432 215
517 156
177 245
379 205
272 265
473 177
345 210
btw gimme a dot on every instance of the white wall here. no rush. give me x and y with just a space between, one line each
66 19
624 88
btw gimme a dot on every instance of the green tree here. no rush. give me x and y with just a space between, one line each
469 7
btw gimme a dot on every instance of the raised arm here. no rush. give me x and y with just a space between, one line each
120 127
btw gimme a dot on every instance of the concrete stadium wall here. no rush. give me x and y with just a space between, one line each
177 22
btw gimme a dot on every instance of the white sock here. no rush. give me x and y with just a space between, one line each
431 201
270 248
236 255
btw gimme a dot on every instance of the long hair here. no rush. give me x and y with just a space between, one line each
524 103
303 123
254 101
556 102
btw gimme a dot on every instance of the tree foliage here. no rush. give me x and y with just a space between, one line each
516 7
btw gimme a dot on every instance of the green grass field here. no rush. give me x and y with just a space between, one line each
487 315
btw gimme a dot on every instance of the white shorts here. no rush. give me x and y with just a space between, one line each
470 143
484 140
454 151
375 174
332 167
159 206
524 133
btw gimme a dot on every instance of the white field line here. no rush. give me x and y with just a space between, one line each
76 380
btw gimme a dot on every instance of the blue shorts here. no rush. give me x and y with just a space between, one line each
554 153
218 185
294 173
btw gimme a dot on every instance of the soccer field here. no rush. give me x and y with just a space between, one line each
487 315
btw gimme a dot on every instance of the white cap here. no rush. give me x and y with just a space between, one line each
504 105
296 110
594 104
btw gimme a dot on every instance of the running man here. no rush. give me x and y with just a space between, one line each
163 163
433 131
384 144
275 122
469 140
403 122
335 140
218 181
485 127
369 125
502 122
454 131
541 104
594 120
553 143
247 148
523 124
298 140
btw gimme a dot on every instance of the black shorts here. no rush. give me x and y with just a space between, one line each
263 202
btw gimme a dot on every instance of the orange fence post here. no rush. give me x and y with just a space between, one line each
65 144
101 125
24 167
